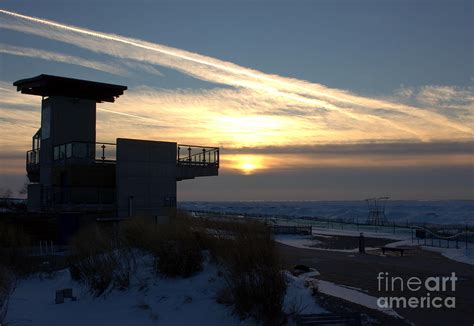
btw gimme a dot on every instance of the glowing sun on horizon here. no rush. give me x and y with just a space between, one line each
248 164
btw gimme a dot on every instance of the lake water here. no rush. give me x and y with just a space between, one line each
437 212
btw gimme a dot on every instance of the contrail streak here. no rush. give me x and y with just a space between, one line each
129 115
125 41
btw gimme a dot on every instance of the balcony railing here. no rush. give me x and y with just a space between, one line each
32 158
191 155
187 155
94 152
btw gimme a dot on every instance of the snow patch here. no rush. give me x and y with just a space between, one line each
460 255
297 241
356 233
163 301
353 295
307 242
150 300
298 295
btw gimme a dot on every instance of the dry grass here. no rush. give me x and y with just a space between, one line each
101 260
7 285
14 243
173 245
244 248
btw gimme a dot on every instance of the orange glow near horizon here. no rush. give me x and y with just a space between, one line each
245 164
248 164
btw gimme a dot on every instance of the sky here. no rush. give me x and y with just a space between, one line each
308 100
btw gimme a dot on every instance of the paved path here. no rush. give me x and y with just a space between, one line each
360 271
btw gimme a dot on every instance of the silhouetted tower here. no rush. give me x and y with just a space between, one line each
377 210
70 172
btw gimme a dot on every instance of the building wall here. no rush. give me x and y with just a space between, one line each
146 170
63 120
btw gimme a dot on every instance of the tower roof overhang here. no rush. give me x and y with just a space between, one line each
47 85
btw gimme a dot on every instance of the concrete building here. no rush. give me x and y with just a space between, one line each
70 171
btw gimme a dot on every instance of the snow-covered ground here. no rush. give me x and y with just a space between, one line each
356 233
307 242
299 296
461 254
353 295
297 241
165 301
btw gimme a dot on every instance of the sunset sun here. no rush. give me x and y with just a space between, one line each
249 164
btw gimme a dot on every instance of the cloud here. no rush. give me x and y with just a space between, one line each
439 97
270 121
258 108
53 56
92 64
447 97
143 67
391 149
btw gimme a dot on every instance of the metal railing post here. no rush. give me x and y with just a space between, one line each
467 229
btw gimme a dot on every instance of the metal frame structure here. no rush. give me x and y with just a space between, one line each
376 207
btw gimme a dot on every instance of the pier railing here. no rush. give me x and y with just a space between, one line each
460 237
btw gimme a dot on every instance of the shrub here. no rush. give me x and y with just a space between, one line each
179 258
14 244
174 245
140 233
254 273
7 285
101 261
246 250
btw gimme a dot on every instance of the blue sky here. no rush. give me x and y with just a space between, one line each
415 54
370 47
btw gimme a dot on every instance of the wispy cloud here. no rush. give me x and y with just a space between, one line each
125 68
259 108
54 56
457 103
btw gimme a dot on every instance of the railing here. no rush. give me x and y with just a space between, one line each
191 155
446 237
32 158
96 152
